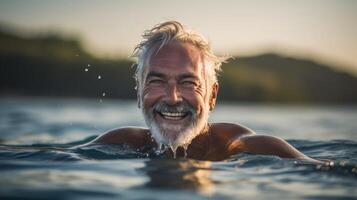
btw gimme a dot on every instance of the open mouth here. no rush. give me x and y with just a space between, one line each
173 115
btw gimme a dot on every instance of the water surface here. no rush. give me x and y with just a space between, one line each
37 160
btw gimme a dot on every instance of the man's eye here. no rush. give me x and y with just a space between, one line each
156 81
189 83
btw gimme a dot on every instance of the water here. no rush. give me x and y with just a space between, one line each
37 160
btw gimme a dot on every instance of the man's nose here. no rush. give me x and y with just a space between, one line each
173 95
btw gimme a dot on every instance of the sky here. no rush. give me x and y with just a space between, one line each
322 30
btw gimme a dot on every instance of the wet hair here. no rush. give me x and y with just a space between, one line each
166 33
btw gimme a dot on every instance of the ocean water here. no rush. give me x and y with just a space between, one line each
38 161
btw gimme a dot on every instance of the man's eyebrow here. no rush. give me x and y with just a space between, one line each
161 75
188 75
155 74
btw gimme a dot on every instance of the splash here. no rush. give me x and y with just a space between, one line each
173 149
185 147
162 148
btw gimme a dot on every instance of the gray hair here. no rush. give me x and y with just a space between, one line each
173 31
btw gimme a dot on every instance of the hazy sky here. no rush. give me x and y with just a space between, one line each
325 30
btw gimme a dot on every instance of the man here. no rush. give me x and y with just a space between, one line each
177 88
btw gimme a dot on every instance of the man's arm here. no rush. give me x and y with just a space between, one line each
269 145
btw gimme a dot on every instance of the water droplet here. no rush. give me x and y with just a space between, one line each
354 170
173 149
99 77
103 94
100 100
174 154
185 146
161 148
88 65
86 69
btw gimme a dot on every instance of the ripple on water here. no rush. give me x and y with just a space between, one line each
117 171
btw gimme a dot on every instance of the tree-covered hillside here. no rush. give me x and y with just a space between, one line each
55 66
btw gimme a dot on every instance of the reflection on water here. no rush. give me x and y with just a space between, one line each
105 171
179 174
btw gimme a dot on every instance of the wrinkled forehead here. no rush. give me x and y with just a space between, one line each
176 51
176 56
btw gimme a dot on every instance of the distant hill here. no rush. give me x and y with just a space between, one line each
56 66
50 46
275 78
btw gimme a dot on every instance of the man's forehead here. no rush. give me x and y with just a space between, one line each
176 53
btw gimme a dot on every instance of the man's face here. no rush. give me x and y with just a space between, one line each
175 99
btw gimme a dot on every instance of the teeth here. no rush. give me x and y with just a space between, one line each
172 118
171 114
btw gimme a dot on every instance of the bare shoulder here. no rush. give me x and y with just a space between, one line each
132 136
270 145
230 130
237 138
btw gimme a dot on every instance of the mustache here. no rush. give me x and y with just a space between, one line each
180 107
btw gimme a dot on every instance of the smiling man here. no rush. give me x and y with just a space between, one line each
177 89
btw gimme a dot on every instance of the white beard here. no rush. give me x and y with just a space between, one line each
183 136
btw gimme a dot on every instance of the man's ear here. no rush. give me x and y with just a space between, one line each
213 96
